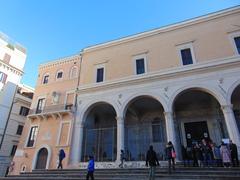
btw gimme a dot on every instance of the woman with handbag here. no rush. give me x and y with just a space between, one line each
170 155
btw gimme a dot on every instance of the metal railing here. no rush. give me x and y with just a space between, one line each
53 108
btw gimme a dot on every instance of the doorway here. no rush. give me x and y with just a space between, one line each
42 159
195 132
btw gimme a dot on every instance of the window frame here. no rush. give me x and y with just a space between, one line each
21 110
59 71
29 133
70 75
60 132
104 72
36 105
43 79
186 46
13 150
18 129
232 36
138 57
66 95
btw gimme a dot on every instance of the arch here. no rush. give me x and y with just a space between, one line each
219 97
73 72
34 163
133 97
93 103
231 90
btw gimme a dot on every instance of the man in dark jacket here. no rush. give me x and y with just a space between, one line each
152 161
234 153
61 156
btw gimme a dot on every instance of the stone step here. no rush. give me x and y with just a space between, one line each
131 174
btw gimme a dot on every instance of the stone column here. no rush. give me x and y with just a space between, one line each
171 133
120 136
76 147
231 125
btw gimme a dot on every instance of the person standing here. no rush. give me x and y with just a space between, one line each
61 156
122 158
225 153
217 155
234 154
152 161
206 152
170 155
90 168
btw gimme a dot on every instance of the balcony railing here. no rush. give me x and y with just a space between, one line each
52 109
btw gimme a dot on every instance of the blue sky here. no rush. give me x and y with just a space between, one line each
51 29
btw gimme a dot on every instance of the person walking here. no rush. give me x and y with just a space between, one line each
170 155
225 153
152 161
61 156
234 153
122 158
90 168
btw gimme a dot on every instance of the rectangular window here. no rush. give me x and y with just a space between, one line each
6 58
24 111
100 74
40 105
140 66
14 148
45 79
59 75
237 43
32 136
19 130
3 77
186 56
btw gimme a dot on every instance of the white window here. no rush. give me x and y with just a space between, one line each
140 64
74 72
45 79
235 39
40 105
100 73
186 54
59 75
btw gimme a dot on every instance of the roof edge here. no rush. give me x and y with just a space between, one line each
169 27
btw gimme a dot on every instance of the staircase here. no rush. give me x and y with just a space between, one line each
132 174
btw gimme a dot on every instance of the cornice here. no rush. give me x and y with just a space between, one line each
162 75
179 25
59 61
11 68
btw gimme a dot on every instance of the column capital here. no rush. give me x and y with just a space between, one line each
227 108
119 119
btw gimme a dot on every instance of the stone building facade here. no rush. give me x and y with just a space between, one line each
178 83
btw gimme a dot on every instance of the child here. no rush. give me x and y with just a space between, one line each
90 168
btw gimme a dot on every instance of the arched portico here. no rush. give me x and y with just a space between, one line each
144 125
235 101
198 116
99 132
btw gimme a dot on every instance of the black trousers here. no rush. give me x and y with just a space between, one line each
235 161
60 164
171 164
90 174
